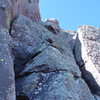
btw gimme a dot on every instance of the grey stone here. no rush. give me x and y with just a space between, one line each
71 38
28 40
87 50
44 61
53 75
59 85
5 13
7 82
52 59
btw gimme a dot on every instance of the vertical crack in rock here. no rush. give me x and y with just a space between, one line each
85 50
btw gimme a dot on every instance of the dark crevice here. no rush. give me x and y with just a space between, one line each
29 1
92 84
50 40
36 54
11 23
48 70
50 28
89 79
76 77
86 75
22 62
30 58
59 49
22 97
54 46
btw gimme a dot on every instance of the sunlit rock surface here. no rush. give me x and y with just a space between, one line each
29 8
40 61
87 54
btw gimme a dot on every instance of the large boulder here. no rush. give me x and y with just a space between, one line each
87 50
7 82
53 59
52 74
29 39
57 85
44 60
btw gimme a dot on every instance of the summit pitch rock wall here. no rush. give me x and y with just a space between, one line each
27 8
11 9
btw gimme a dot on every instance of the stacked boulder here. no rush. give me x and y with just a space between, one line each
44 63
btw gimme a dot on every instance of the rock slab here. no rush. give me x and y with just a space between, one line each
7 81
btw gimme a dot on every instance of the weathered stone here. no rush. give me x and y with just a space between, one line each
87 52
11 9
27 8
52 25
59 85
7 82
29 39
97 97
71 38
53 75
5 13
51 59
43 57
40 56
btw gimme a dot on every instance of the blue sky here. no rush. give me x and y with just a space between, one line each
71 13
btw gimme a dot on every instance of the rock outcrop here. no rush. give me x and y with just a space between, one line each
11 9
40 61
7 81
5 13
87 52
49 64
26 41
27 8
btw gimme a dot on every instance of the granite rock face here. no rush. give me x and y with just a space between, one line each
40 61
29 39
49 67
11 9
27 8
87 50
50 76
5 13
7 81
91 39
58 85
